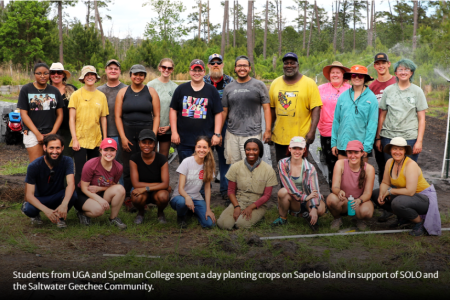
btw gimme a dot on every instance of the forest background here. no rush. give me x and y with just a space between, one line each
352 33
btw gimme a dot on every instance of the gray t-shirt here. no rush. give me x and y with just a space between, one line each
402 107
111 94
244 101
194 178
165 93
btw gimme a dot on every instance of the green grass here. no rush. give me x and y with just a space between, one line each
12 167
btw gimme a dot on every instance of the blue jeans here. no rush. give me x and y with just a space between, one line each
223 166
118 155
52 202
179 204
385 141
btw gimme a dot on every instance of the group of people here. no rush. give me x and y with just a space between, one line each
121 135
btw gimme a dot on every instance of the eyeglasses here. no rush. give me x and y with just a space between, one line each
215 62
196 71
56 72
42 74
403 70
360 76
166 68
50 177
242 66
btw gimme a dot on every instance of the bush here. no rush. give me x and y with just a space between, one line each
6 80
270 75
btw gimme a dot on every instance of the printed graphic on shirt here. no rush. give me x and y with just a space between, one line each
103 181
287 103
194 177
41 101
194 108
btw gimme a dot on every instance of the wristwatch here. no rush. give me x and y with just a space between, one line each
147 188
389 190
218 135
237 206
312 206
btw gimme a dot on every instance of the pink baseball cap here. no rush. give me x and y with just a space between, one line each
354 146
297 141
108 143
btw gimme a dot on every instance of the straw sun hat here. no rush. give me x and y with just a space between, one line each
335 64
400 142
59 67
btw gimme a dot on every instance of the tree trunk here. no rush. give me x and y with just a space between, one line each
228 25
199 18
99 23
369 25
250 31
280 31
208 23
234 24
88 15
2 5
374 22
317 16
310 34
336 16
354 26
224 28
96 15
265 29
253 25
304 24
61 53
343 24
415 26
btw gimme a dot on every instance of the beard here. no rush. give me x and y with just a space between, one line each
53 162
216 74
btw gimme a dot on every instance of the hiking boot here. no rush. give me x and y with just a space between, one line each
118 222
139 220
336 224
162 219
279 222
181 221
361 225
385 216
36 220
400 223
84 220
418 229
61 223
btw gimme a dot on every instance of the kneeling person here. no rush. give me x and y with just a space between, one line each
45 184
150 177
98 189
250 183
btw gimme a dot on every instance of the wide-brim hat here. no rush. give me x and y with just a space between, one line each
59 67
400 142
88 69
358 69
326 70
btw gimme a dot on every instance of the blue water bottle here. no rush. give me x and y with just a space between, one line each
350 210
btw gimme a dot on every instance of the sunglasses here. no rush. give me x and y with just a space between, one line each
56 72
360 76
215 62
50 177
167 68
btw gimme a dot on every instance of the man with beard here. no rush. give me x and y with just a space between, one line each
219 81
45 184
295 106
242 101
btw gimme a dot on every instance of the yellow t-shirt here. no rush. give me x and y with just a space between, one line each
293 104
90 106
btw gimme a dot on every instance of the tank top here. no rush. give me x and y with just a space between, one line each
349 181
400 182
137 108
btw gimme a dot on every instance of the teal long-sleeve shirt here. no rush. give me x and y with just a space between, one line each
355 120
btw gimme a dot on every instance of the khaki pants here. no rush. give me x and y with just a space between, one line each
226 220
234 146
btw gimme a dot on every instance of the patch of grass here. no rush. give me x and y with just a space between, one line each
12 167
22 243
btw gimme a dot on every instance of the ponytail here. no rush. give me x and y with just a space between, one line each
362 174
209 165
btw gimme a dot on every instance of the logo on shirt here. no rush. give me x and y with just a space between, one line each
41 101
200 175
195 108
287 100
103 181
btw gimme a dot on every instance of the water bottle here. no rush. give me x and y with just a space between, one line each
350 210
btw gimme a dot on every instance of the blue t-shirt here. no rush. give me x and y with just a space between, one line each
38 174
195 111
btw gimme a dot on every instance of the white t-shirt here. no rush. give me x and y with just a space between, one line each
194 178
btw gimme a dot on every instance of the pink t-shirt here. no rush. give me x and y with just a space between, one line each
94 173
329 96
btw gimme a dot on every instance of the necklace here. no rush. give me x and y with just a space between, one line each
398 166
85 98
39 90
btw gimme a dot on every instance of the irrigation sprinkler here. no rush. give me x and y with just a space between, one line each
446 161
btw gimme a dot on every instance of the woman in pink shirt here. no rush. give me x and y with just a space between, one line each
329 93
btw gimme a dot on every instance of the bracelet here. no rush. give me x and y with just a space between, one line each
237 206
379 139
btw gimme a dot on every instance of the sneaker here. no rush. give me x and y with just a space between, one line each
336 224
418 229
84 220
61 223
361 225
118 222
400 223
181 221
139 220
36 220
162 219
279 222
385 216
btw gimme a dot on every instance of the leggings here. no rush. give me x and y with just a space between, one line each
81 157
405 207
330 159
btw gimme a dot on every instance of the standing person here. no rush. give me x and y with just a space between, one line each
195 171
195 111
45 184
329 93
58 78
242 101
356 115
220 81
165 89
403 108
88 109
295 106
111 88
136 108
38 122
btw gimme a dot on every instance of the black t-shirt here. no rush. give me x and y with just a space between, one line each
41 106
38 174
149 173
195 111
65 123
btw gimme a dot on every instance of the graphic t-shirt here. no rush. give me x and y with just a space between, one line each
41 106
402 107
38 174
94 173
194 178
244 102
111 94
293 104
165 92
149 173
195 111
